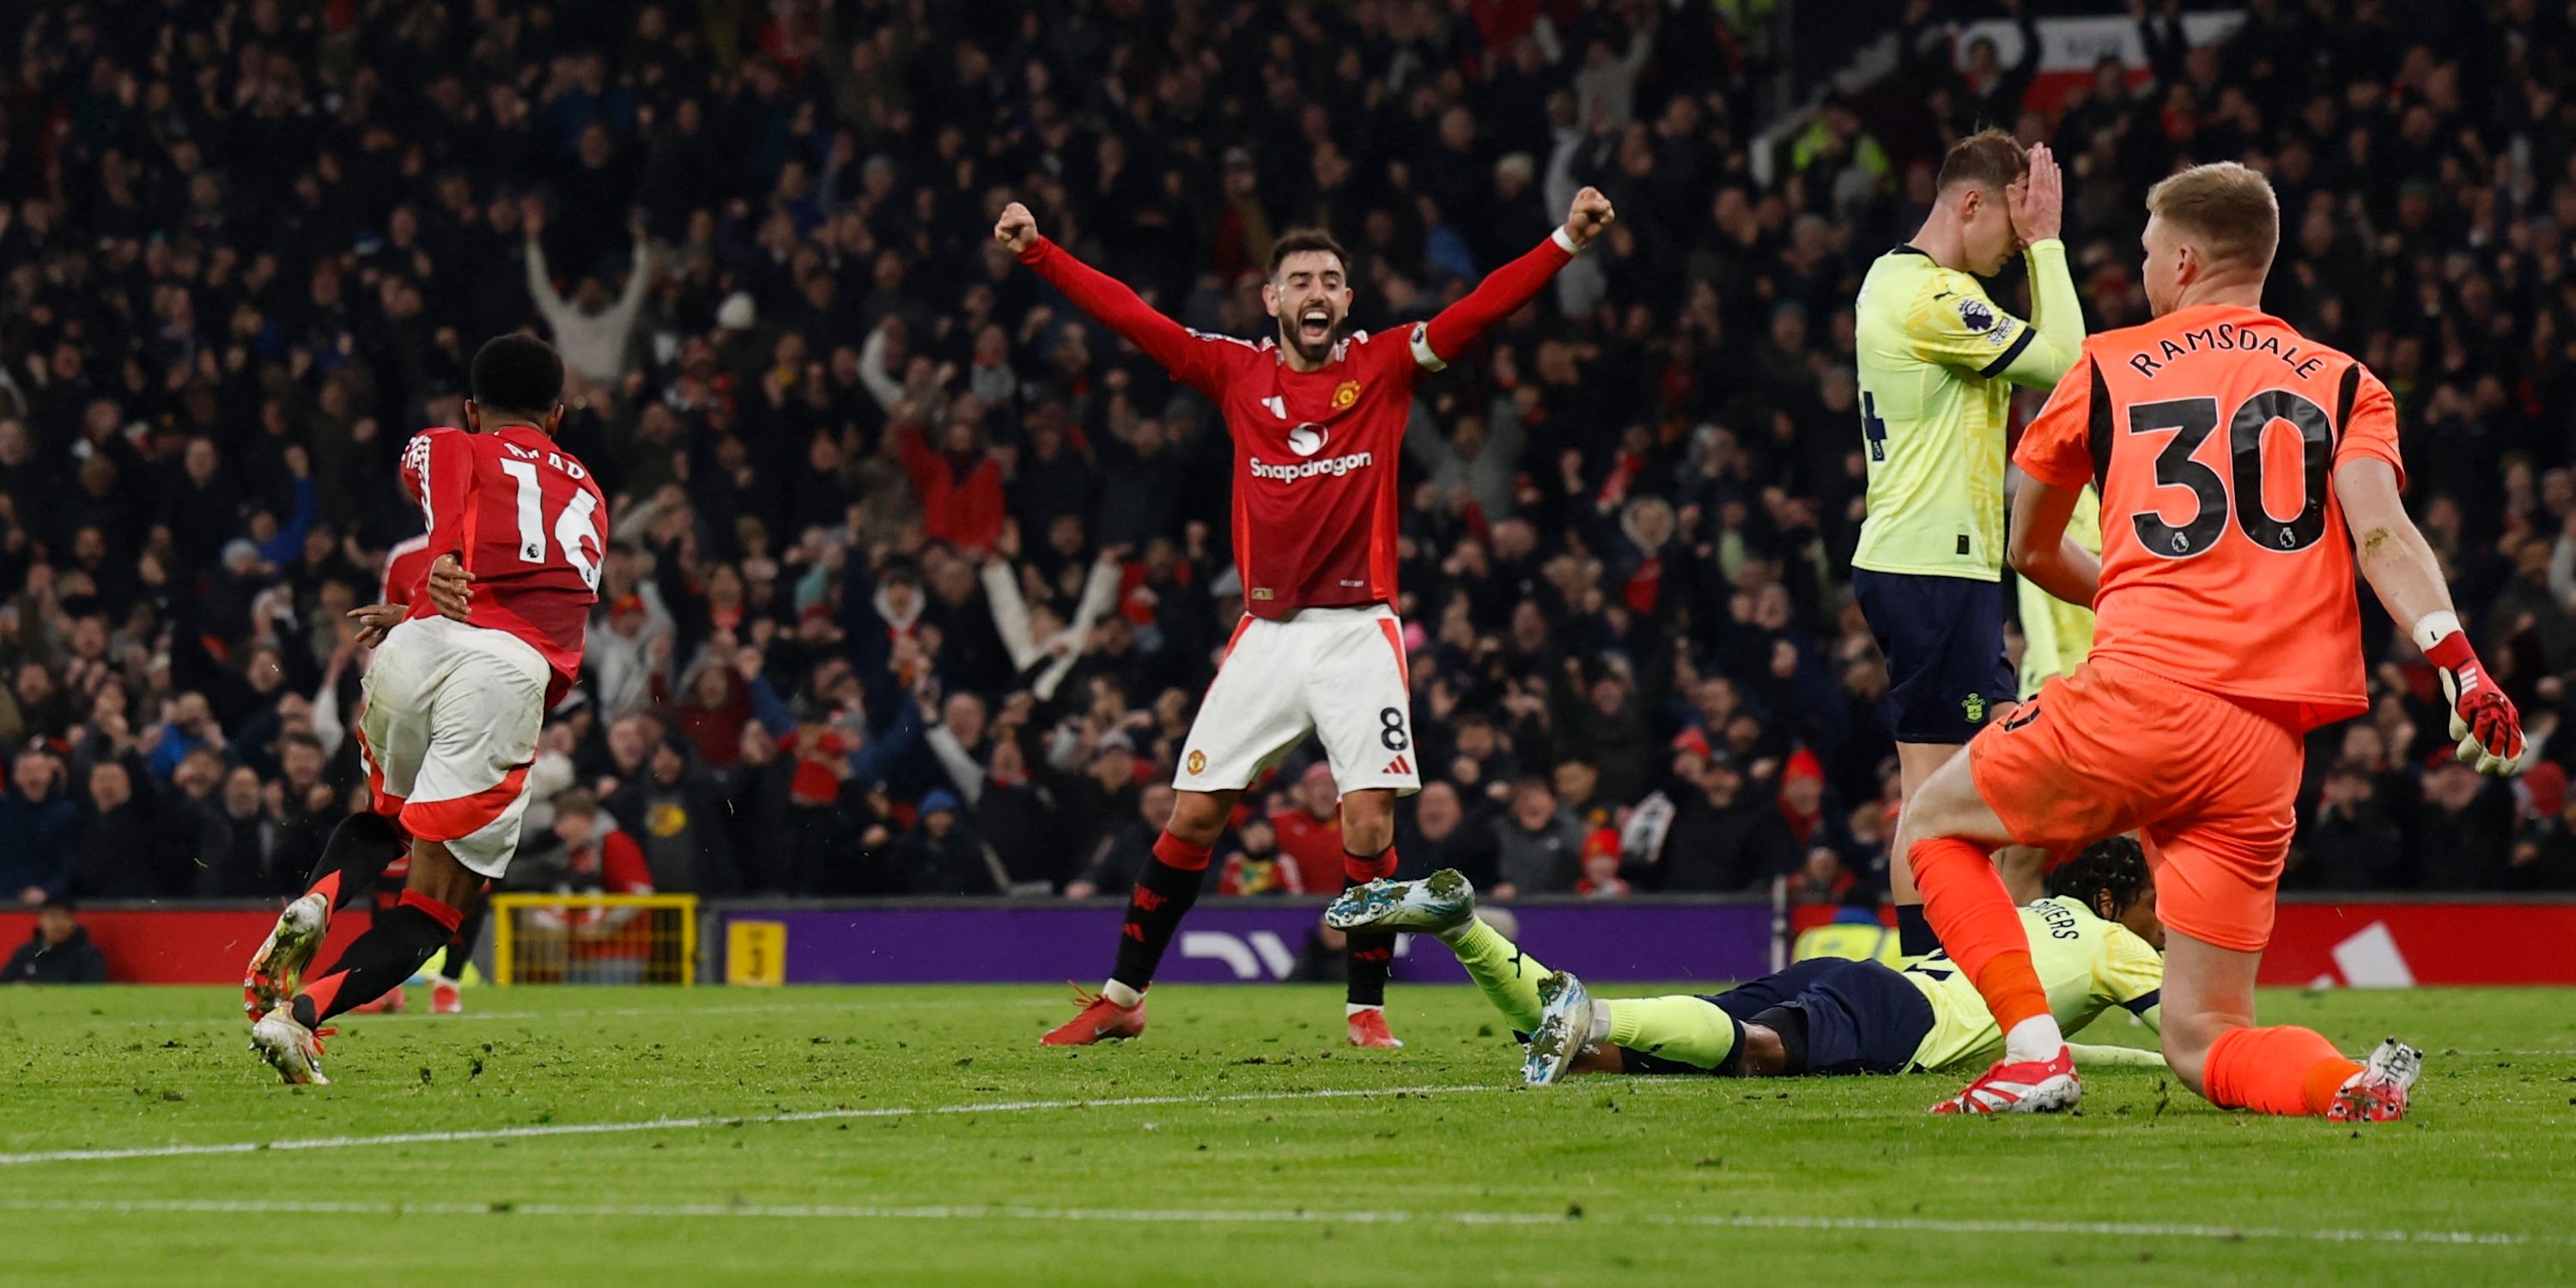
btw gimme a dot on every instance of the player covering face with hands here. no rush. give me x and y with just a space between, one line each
2245 471
1938 361
1317 417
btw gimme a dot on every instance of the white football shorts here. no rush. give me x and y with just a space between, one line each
1338 673
449 731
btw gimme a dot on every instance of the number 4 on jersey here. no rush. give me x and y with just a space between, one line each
570 526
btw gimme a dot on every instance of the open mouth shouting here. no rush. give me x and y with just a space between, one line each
1314 326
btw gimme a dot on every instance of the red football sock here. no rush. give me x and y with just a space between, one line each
1964 899
2285 1070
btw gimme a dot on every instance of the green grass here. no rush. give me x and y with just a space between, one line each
1636 1181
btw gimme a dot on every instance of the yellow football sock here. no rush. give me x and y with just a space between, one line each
1508 976
1680 1028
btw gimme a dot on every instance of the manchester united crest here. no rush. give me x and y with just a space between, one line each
1197 762
1348 393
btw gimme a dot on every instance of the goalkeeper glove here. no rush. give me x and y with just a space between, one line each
2489 730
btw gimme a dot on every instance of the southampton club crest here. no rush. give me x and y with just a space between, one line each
1973 707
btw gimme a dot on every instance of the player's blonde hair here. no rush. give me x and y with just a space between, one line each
2225 209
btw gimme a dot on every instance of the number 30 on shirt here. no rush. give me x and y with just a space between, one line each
571 524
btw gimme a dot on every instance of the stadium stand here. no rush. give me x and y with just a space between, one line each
900 537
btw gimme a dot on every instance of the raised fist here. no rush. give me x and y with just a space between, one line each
1584 220
1017 230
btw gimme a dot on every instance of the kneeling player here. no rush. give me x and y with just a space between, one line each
2096 936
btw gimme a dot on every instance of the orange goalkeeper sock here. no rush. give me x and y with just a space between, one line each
2286 1070
1965 900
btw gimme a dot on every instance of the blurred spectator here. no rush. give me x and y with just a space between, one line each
1255 865
1723 839
1538 846
1443 833
675 811
58 952
856 456
1601 878
119 856
2349 824
38 829
939 856
1310 830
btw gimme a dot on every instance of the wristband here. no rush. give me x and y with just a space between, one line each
2433 627
1565 240
2445 645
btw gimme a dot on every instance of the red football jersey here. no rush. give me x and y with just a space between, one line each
1316 453
527 520
1315 461
406 567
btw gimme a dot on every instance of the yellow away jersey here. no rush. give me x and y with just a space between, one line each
1937 363
2088 965
2056 635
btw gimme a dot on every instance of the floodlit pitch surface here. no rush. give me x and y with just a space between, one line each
635 1136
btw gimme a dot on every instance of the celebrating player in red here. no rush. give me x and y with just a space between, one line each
2244 470
406 571
1318 424
457 692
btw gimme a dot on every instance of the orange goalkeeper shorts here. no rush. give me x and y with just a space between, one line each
2211 783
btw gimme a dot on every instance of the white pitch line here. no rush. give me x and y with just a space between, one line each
776 1008
1277 1216
711 1120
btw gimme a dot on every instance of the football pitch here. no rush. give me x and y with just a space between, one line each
644 1136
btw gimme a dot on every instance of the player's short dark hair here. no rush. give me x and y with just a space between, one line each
517 373
1989 158
2110 873
1297 240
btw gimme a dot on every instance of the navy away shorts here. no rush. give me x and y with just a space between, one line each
1944 641
1861 1017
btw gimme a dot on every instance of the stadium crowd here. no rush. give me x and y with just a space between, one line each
917 574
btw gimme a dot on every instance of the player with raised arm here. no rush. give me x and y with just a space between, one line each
2241 467
2096 933
1938 361
1318 421
458 690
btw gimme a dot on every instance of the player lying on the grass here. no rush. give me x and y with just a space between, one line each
457 693
2245 470
2097 935
1318 420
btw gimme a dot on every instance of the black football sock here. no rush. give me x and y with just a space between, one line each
357 853
1372 953
1914 935
379 961
1163 894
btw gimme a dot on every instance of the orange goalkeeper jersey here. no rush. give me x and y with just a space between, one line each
2213 433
